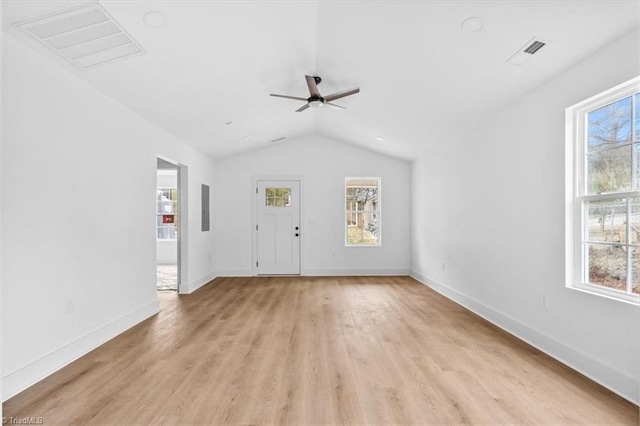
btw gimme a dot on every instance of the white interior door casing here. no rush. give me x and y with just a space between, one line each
278 227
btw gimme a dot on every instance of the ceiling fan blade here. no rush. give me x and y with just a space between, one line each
289 97
313 87
329 104
342 94
303 107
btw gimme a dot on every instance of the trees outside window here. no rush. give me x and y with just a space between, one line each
362 196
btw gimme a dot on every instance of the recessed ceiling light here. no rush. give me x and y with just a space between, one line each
473 24
380 138
154 19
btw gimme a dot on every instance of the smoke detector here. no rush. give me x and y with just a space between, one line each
529 49
85 37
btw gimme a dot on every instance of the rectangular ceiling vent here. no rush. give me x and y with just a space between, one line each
534 47
526 51
86 37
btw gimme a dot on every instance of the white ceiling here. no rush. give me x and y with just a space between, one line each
419 73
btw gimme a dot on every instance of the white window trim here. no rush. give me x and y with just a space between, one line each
378 211
575 133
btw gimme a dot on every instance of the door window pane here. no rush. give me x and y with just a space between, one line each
278 197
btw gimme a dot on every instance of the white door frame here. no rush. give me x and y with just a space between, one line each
183 218
254 217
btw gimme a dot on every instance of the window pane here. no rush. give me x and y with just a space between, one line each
351 219
635 239
637 104
609 171
278 197
635 221
362 211
608 266
636 165
365 230
635 269
351 197
609 125
606 221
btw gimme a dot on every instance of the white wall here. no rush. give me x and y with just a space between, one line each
166 252
79 173
167 178
489 203
323 165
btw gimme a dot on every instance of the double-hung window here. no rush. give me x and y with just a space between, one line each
362 197
603 193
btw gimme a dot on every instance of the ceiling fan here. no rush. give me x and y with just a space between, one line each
316 99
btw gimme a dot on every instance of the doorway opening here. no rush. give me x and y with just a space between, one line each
167 226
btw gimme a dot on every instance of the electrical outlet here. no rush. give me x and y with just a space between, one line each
545 302
69 307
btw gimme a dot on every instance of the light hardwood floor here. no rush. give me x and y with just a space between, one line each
371 350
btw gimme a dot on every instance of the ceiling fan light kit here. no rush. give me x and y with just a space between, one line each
315 99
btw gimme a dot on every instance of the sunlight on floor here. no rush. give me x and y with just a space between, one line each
167 277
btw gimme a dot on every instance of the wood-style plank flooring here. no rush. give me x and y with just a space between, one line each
371 350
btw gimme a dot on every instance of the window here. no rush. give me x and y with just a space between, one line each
603 194
362 199
278 197
166 213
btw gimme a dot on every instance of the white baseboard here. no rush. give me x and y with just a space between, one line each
622 384
17 381
333 272
194 285
323 272
235 272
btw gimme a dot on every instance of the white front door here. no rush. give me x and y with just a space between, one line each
278 227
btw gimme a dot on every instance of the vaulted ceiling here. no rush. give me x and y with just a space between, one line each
208 73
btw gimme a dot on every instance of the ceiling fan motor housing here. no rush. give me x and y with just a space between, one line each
316 99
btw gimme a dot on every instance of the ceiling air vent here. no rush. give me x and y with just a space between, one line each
526 51
534 47
86 37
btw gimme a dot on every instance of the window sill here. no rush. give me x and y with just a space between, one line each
611 294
